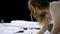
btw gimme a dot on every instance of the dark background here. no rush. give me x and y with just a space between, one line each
17 10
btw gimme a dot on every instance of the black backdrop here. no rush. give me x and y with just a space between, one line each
17 10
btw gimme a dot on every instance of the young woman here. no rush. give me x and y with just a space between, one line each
41 11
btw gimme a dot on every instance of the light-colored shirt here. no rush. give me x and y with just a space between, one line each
55 11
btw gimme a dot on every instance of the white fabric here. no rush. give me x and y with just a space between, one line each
10 28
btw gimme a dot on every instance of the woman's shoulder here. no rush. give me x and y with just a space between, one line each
55 2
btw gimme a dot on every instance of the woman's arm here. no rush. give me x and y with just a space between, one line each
44 26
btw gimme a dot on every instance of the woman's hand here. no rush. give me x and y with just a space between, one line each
39 33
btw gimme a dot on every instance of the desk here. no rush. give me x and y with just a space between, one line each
15 26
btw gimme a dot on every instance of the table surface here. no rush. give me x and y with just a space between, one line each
12 28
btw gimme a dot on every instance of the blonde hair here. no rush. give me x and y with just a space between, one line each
41 4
